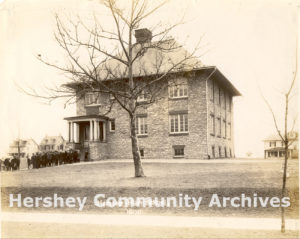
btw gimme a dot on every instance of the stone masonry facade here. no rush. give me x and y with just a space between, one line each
209 110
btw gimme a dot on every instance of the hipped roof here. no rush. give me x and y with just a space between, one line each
158 61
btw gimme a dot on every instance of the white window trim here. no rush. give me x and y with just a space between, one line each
177 87
142 97
138 129
91 104
179 130
110 129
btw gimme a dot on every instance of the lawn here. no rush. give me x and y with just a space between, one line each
226 178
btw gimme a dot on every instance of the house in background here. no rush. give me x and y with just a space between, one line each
193 117
274 146
52 143
26 147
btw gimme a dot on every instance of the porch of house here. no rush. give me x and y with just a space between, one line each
87 135
276 153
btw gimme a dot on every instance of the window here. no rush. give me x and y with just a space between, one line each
178 151
142 153
213 151
220 152
179 123
219 95
141 125
225 152
229 103
92 98
212 91
229 130
212 124
218 127
178 89
224 129
112 125
224 100
111 96
230 152
142 97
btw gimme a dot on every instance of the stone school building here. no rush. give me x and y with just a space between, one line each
193 119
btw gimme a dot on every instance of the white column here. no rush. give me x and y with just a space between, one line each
104 131
96 130
69 131
72 132
91 130
76 132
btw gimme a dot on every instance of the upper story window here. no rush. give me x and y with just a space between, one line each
212 124
141 125
212 91
92 98
178 89
179 123
142 97
112 125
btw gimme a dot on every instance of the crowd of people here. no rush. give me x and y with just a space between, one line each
48 159
43 159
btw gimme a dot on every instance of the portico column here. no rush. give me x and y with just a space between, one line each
96 130
91 130
76 132
104 131
72 132
69 131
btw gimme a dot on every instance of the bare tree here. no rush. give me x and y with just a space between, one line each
109 62
286 139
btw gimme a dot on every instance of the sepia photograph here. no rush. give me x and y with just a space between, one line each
149 118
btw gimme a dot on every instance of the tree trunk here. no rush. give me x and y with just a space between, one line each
283 187
286 149
135 150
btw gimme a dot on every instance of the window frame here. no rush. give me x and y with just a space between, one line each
92 101
112 122
176 119
138 125
178 87
213 125
181 149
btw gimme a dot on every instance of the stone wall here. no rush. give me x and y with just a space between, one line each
159 143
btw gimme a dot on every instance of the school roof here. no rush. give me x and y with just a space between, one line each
159 58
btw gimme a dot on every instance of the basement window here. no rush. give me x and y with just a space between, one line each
178 151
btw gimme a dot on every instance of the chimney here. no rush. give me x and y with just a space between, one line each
143 35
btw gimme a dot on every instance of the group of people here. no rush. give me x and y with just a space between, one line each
49 159
11 164
41 160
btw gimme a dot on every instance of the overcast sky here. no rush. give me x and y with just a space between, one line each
252 43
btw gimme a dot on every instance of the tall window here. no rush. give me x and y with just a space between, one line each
92 98
224 129
218 128
212 124
112 125
141 125
229 130
213 152
179 123
178 89
212 91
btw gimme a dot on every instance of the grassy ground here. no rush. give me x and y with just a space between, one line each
163 179
256 174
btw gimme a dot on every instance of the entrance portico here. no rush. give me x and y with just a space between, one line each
88 134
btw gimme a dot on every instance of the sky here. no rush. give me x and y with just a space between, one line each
252 42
